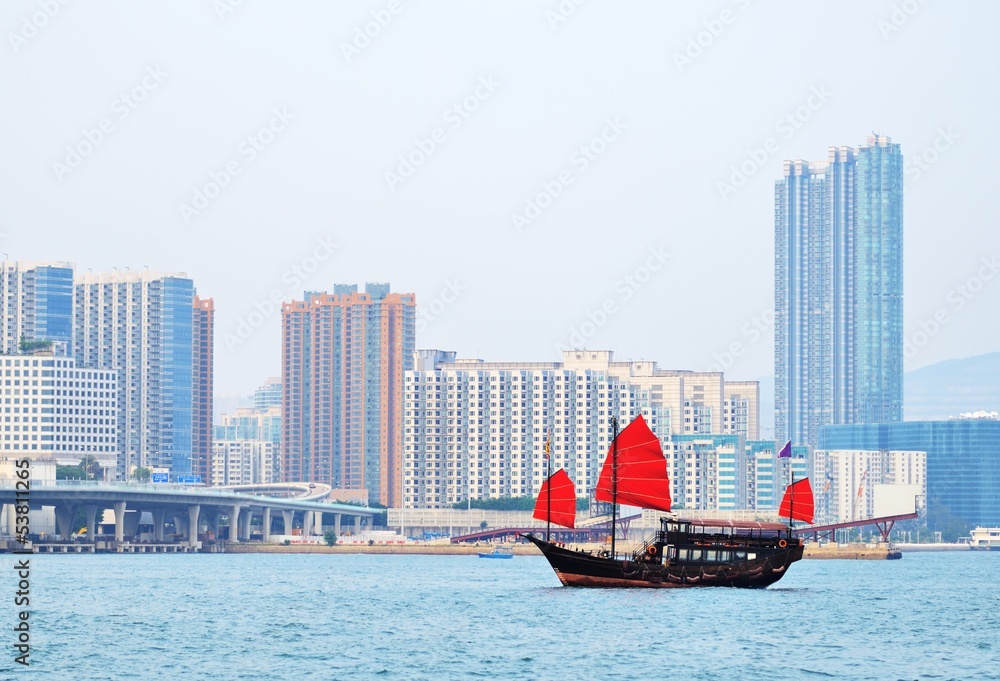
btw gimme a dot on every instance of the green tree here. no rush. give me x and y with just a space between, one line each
483 525
141 474
70 473
330 537
92 467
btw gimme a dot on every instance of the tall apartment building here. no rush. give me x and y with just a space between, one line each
475 429
247 423
54 410
839 290
244 462
343 359
202 385
142 324
857 484
268 395
36 303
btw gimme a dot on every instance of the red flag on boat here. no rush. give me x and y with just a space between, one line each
642 470
562 503
797 504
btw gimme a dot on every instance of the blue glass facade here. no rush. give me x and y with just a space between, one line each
54 306
838 291
176 376
963 462
878 277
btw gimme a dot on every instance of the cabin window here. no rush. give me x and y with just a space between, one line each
712 556
751 556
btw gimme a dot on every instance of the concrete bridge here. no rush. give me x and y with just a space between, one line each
189 507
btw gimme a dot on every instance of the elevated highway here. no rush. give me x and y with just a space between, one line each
189 507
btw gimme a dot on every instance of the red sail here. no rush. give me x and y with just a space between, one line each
563 502
798 502
642 470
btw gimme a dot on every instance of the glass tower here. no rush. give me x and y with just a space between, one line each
838 291
141 325
36 303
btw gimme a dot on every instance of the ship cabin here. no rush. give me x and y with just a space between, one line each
714 542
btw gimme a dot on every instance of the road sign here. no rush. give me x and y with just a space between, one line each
161 477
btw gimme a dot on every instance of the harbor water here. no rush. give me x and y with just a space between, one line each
268 617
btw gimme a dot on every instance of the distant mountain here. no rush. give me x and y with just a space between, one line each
952 387
931 393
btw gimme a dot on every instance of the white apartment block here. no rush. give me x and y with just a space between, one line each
857 484
475 429
52 409
244 462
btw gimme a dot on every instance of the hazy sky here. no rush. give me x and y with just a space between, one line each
540 174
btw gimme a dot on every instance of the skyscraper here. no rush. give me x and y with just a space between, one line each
36 303
343 358
202 383
839 290
141 324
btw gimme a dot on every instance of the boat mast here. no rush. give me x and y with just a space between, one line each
614 482
548 501
791 501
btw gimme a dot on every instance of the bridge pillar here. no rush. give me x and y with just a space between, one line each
244 525
193 511
357 524
267 524
336 524
234 523
180 526
159 515
119 521
11 519
91 512
64 518
132 523
319 522
287 517
307 523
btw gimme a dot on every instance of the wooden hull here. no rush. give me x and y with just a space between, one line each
574 568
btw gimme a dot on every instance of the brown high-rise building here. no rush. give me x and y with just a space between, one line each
202 381
343 358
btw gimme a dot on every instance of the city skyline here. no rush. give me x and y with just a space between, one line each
682 136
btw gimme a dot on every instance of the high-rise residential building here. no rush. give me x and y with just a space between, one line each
343 359
268 395
244 462
141 324
202 385
853 485
247 423
475 429
839 290
55 410
36 304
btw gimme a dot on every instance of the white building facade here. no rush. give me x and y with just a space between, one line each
475 429
244 462
856 484
52 409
